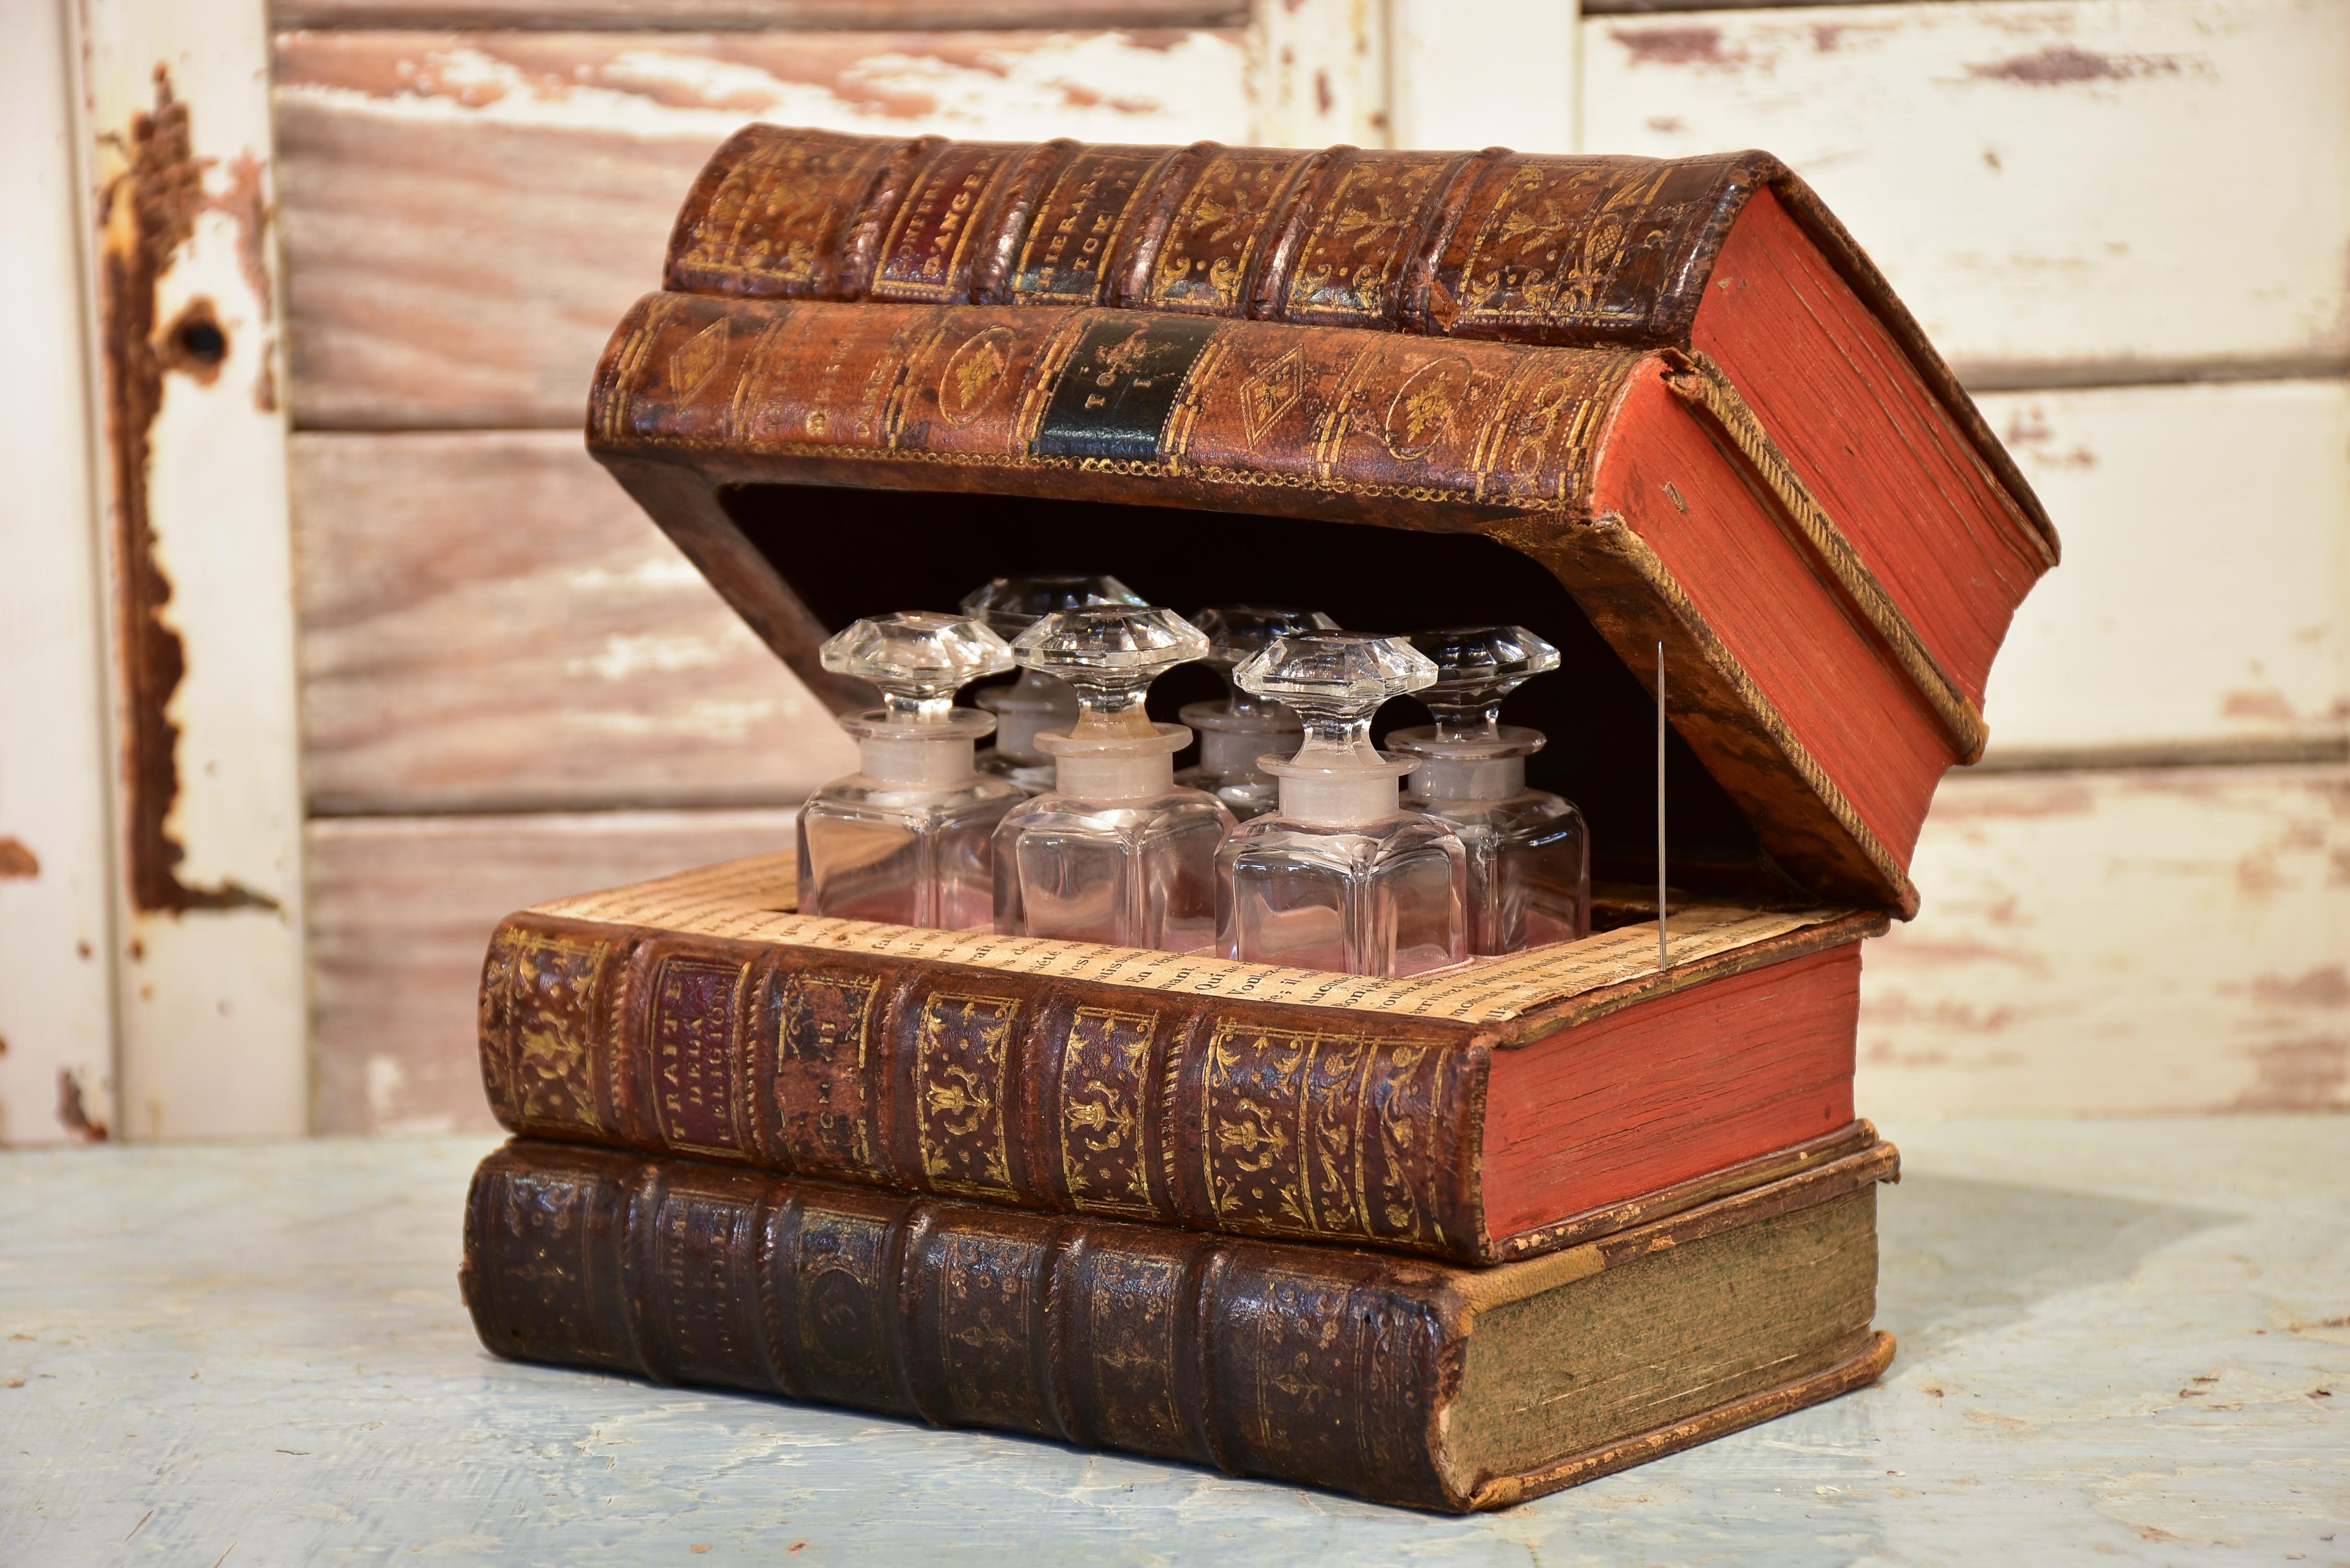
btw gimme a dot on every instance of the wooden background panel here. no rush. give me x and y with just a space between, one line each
2114 190
489 623
2203 604
467 216
681 14
2163 940
402 910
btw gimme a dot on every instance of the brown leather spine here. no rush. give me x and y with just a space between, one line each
1313 1365
1563 250
1010 1089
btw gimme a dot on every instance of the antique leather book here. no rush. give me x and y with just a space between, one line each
1397 1380
1514 1107
1730 257
1611 499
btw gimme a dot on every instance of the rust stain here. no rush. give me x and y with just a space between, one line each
2325 987
1324 98
244 204
147 212
72 1115
17 859
1676 46
2018 799
2257 877
2299 1075
1667 124
2265 703
2060 65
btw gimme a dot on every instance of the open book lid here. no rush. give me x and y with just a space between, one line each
821 462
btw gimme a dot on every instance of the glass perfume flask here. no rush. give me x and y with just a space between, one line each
1037 701
1529 851
906 837
1233 734
1117 851
1342 876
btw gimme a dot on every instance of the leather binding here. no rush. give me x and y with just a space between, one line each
1540 449
1676 392
684 1017
1318 1365
1564 250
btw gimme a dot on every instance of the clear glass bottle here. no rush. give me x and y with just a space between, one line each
1341 876
1037 701
1529 851
1233 734
907 838
1116 852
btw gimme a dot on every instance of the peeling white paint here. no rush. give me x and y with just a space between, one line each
1091 86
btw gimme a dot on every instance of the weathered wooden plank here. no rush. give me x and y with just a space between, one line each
402 910
2103 188
56 955
2204 600
1318 73
191 473
468 215
681 16
2170 940
489 623
1503 75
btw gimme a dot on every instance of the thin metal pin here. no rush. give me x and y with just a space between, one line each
1664 953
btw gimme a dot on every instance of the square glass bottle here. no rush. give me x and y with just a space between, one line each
1529 851
1038 701
1234 732
1341 876
908 839
1116 852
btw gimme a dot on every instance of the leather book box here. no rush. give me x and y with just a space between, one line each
823 459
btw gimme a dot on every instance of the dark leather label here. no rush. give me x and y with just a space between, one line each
1079 224
696 1015
1114 396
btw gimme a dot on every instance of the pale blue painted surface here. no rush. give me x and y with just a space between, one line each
2112 1338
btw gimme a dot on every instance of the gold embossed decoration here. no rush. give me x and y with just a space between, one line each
975 373
959 1084
1104 1077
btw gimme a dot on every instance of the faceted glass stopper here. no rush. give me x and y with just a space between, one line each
918 659
1476 668
1335 681
1012 605
1109 655
1235 631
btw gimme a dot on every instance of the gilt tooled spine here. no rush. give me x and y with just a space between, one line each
1319 1366
1212 1114
1563 250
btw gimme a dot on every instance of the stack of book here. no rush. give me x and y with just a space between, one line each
1450 1240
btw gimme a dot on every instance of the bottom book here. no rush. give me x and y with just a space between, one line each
1393 1378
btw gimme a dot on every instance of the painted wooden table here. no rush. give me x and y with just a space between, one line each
2119 1340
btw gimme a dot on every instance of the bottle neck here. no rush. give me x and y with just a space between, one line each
1035 701
1117 768
1340 800
1110 777
927 761
1468 778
